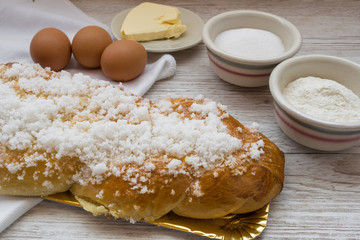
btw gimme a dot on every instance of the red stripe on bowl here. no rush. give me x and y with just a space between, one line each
237 73
313 136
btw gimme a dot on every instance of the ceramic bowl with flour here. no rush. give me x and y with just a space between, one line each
317 101
245 45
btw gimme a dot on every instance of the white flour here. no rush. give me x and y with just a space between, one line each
324 99
250 43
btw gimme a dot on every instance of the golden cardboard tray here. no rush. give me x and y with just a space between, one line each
233 226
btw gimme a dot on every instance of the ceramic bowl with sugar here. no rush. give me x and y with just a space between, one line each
242 71
309 130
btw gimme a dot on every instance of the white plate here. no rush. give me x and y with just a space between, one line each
190 38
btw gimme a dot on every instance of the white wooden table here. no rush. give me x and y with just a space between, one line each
321 196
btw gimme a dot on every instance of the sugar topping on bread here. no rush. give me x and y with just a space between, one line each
107 128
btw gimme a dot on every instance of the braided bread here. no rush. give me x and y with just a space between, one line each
125 156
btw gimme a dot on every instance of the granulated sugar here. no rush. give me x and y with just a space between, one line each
250 43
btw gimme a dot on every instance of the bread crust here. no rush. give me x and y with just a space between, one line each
243 180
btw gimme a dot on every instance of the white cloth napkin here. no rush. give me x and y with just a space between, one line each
20 20
11 208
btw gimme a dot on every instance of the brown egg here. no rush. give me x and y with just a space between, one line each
88 45
123 60
50 47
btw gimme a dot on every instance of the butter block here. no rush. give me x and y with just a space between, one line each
151 21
